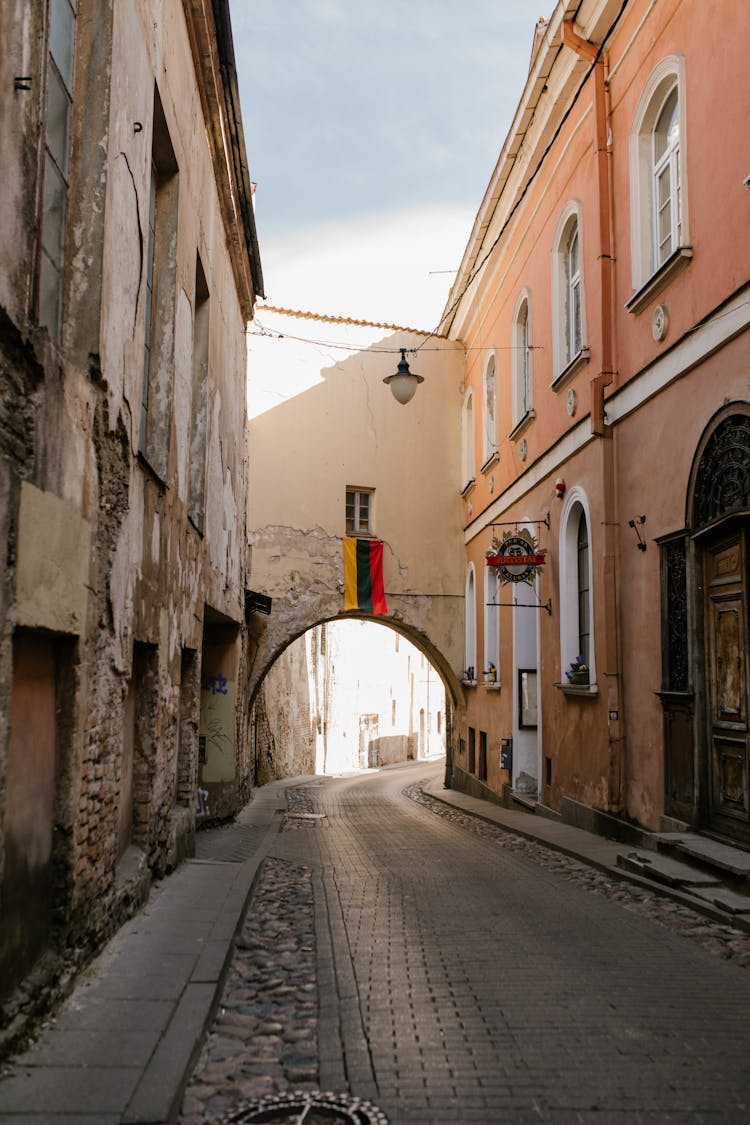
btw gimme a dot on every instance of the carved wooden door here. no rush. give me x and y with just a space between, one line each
727 684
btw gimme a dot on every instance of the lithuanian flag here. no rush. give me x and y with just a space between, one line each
363 575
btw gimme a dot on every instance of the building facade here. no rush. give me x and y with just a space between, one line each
128 270
604 303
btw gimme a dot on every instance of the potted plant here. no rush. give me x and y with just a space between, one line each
490 674
578 673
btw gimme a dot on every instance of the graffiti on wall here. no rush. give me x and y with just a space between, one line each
217 736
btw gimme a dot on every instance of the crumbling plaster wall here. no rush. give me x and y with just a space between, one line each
285 732
349 431
69 435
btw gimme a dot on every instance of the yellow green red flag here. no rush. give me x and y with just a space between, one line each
363 575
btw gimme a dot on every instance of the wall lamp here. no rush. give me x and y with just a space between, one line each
403 382
635 524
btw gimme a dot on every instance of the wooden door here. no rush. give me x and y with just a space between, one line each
28 876
727 684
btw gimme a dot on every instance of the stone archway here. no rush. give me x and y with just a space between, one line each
351 693
302 575
345 434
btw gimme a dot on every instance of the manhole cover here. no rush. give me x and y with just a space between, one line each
308 1108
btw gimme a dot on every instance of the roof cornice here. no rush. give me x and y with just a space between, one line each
516 165
210 33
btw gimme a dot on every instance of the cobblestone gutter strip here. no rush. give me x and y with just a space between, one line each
264 1038
300 811
722 940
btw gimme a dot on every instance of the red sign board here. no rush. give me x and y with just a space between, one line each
516 560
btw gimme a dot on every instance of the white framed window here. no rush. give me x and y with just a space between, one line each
667 217
467 441
489 414
470 624
568 305
523 402
576 584
359 511
658 182
491 620
573 334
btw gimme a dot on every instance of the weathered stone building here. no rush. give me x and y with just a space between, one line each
128 270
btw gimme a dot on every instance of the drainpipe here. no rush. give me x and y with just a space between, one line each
612 672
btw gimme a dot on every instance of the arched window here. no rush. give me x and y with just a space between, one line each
657 174
467 441
576 585
666 179
568 310
522 372
491 621
489 417
470 625
573 337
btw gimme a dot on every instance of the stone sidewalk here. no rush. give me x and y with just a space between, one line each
122 1047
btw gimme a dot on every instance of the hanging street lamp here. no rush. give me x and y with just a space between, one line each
403 382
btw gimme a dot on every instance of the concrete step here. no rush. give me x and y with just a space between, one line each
663 869
736 904
526 801
710 855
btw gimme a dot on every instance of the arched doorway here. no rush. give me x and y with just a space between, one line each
717 582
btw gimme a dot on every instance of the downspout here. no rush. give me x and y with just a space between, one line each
612 672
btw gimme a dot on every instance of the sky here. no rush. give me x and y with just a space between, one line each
372 130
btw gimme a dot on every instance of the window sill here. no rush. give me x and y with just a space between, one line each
659 280
469 683
493 459
522 425
491 685
468 487
577 362
582 691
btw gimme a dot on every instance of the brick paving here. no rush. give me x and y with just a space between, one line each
472 976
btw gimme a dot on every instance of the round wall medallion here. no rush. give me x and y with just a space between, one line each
523 450
572 403
659 322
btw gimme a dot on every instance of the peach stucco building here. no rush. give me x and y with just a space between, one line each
604 302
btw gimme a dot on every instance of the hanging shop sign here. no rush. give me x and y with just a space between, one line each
518 557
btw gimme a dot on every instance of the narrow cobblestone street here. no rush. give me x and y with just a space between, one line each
449 971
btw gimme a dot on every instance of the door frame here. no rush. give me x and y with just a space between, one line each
709 520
